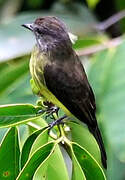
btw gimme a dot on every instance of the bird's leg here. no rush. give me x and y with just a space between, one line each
57 121
51 109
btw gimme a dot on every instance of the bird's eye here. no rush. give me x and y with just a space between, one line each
38 31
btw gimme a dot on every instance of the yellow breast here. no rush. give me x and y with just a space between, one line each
37 63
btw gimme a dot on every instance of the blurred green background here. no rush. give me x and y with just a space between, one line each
105 68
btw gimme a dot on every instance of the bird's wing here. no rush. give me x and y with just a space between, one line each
68 82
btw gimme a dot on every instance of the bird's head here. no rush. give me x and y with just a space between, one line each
49 31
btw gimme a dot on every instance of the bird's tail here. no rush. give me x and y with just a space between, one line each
96 133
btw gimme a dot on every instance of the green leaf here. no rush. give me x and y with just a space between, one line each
16 75
15 94
37 159
34 5
24 133
9 155
83 43
89 165
27 146
77 172
56 166
13 72
40 140
11 115
83 137
107 78
92 3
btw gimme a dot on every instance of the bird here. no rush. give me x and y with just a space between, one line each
59 75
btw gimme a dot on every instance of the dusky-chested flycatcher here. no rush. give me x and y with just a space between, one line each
59 75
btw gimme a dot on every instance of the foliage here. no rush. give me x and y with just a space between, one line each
38 150
28 149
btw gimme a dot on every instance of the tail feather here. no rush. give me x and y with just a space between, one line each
96 133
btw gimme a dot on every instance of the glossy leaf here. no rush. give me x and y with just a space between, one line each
77 172
11 115
28 144
16 94
13 72
57 168
38 158
107 78
83 137
89 165
92 3
16 76
9 155
24 133
83 43
40 140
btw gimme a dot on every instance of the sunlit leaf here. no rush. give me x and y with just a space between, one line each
9 155
40 140
89 165
11 115
77 172
40 156
27 146
11 73
57 168
92 3
83 137
107 78
82 43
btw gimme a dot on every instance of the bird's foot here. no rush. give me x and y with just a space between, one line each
51 110
57 122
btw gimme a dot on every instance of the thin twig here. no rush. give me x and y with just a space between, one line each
110 21
96 48
101 27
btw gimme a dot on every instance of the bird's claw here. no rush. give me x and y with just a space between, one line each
57 121
51 110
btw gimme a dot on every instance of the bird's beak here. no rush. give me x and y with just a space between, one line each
28 26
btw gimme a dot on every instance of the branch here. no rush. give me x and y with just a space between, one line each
110 21
96 48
